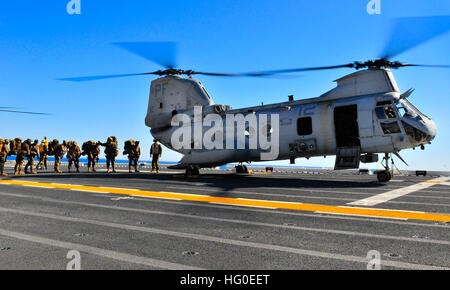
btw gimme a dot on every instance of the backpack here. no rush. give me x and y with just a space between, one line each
51 147
128 147
86 147
15 146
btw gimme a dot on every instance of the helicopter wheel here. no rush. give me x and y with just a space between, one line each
241 169
384 176
192 171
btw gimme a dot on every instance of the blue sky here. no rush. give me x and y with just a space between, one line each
40 42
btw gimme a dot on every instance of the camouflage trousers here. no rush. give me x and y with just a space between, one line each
111 161
57 164
133 162
2 165
91 163
30 165
76 162
155 162
19 163
42 161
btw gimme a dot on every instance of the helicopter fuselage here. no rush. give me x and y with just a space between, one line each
364 115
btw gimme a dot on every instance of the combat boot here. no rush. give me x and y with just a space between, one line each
33 172
136 169
4 174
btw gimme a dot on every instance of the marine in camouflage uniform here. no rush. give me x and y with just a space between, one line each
134 152
155 152
22 153
92 150
4 151
111 152
73 155
43 154
34 151
59 151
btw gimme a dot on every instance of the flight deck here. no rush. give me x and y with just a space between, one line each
277 220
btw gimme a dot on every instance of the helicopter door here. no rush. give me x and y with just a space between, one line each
346 126
348 146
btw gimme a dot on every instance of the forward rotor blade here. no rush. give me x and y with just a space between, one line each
274 76
93 78
22 112
409 32
282 71
162 53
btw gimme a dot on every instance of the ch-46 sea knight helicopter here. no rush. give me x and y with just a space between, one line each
364 115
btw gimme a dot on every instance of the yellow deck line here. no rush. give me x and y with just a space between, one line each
397 214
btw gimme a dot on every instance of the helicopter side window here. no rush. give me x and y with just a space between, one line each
380 113
390 113
390 128
385 112
304 126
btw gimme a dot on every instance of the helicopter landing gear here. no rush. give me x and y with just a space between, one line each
192 170
386 174
241 168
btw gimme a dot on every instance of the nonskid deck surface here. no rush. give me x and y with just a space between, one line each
219 220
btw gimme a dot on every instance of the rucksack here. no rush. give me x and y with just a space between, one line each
51 146
128 146
15 146
87 146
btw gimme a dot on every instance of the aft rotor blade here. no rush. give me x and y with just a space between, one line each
100 77
162 53
22 112
409 32
427 65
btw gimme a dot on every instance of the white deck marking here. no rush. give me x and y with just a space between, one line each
396 193
98 251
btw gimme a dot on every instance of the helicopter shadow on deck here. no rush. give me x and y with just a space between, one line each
224 182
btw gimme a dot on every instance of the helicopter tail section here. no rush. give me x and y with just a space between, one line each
173 94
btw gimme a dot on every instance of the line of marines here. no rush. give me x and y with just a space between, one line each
28 150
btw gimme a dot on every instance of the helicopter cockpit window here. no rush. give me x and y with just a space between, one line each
407 109
385 112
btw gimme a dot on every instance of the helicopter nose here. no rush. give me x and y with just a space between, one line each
422 130
430 128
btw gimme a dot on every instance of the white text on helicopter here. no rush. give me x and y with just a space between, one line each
252 129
